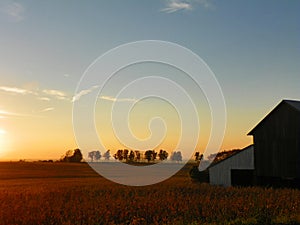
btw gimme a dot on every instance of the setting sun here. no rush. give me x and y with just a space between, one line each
2 132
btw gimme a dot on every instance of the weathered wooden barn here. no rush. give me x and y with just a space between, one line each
277 146
237 169
273 160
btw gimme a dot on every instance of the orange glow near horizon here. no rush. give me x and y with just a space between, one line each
3 145
50 136
39 125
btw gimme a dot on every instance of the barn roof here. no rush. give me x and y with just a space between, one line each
232 155
293 103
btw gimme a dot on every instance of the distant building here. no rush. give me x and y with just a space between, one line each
277 146
237 169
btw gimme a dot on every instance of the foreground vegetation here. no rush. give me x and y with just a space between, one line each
62 193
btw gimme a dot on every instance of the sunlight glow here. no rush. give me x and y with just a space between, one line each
2 141
2 132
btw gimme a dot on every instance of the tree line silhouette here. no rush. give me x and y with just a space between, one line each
133 155
126 155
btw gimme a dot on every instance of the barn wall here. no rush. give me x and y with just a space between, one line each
276 143
220 174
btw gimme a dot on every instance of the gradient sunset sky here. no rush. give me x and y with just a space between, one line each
253 48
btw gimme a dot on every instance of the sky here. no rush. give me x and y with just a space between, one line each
252 47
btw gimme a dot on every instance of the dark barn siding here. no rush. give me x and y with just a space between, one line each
276 145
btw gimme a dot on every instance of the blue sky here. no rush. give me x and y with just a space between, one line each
251 46
240 41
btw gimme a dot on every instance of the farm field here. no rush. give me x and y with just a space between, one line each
72 193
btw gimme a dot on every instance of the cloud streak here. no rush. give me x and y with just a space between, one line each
5 114
42 95
83 92
55 93
103 97
174 6
44 99
46 110
179 5
112 99
16 90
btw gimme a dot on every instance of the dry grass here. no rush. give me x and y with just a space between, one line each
58 193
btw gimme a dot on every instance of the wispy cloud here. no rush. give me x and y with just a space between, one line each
46 109
14 10
43 95
176 5
83 92
112 99
4 113
43 99
16 90
55 93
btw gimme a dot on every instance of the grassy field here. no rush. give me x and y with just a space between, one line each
61 193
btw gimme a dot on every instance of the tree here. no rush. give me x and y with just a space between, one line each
119 155
125 154
94 155
162 155
137 155
72 156
77 156
154 154
106 155
131 156
91 155
67 155
97 155
176 156
216 157
150 155
198 156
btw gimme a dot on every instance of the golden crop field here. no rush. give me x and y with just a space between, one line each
72 193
